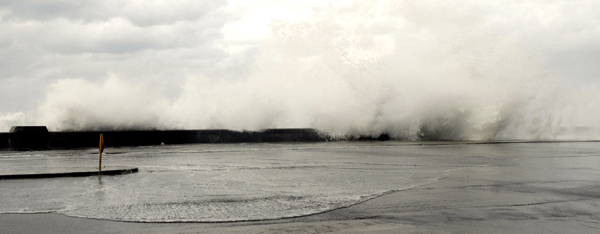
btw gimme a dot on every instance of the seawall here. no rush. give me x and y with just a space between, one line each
39 138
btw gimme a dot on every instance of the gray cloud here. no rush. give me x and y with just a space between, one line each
140 13
158 42
68 31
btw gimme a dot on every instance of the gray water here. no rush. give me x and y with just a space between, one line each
239 182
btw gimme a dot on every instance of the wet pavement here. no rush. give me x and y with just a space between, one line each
328 187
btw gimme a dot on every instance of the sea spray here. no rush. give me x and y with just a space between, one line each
76 104
411 70
368 69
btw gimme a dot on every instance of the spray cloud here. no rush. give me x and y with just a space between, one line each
411 69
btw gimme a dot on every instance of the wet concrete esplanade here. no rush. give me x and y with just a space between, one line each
39 138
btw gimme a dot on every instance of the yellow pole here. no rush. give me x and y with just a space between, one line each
101 148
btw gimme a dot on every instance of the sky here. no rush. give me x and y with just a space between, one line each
345 67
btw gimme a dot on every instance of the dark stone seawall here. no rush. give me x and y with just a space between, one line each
38 137
4 140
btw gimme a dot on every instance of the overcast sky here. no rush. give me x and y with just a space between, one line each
160 45
157 42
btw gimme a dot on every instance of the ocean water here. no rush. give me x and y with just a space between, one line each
241 182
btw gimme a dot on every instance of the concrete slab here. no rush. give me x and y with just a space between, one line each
73 172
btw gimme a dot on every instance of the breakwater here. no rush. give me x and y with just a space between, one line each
39 138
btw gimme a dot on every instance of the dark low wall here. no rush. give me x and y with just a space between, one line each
66 140
28 137
4 140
